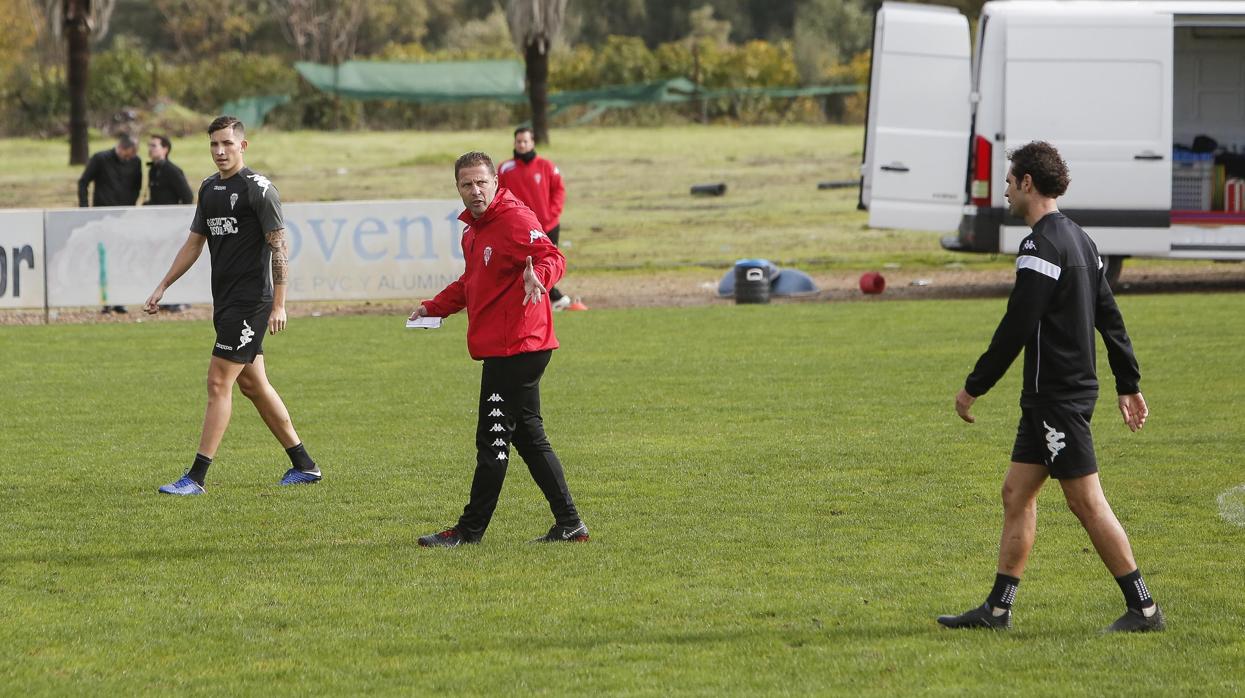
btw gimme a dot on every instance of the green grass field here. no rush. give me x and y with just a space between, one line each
628 203
781 500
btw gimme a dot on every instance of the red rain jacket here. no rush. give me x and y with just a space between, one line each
496 247
538 184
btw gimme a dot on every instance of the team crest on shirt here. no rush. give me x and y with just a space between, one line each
233 200
488 254
534 235
538 178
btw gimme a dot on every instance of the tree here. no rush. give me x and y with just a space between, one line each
321 31
207 27
829 33
534 24
81 21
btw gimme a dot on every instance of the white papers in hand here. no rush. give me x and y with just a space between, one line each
424 323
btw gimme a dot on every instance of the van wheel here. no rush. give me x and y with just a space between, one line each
1114 265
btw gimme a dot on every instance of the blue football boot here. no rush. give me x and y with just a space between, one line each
294 476
184 487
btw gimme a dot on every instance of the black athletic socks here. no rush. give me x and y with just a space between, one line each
299 458
198 471
1136 595
1004 591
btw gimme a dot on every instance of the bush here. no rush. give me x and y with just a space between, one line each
119 78
35 102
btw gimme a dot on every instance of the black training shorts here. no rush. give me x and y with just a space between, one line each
240 332
1057 436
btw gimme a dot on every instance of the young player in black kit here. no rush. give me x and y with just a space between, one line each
1061 296
239 219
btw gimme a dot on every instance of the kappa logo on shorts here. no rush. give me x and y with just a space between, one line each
494 398
247 333
1054 440
488 254
495 413
497 427
501 455
499 442
223 347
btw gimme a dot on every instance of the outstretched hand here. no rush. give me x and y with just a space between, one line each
152 304
532 288
276 320
963 403
1135 411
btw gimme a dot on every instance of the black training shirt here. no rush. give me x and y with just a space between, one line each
1061 296
235 214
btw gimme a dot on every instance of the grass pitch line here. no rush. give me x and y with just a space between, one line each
1232 505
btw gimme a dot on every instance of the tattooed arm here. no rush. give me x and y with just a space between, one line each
280 274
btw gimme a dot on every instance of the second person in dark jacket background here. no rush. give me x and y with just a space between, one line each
166 183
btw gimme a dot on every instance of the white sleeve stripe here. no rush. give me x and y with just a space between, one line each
1039 265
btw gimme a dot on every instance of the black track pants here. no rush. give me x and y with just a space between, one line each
510 414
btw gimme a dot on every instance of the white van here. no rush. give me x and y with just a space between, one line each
1113 85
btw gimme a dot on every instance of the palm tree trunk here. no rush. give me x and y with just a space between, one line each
78 36
537 61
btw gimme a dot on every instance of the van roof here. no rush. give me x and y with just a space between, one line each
1123 7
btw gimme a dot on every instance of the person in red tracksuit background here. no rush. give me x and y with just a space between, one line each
537 183
510 262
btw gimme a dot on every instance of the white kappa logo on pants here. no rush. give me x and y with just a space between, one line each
247 333
1054 440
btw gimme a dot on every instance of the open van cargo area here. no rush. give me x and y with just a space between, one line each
1208 121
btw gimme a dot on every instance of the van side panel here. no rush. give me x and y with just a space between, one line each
918 122
1099 89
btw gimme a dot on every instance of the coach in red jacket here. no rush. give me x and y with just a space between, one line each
538 183
510 262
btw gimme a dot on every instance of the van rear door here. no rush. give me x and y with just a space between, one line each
916 134
1098 86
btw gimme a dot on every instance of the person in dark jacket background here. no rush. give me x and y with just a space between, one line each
118 178
117 175
510 263
166 183
1060 298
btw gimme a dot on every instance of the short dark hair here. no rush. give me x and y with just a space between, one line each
230 122
126 142
164 141
521 129
473 159
1043 164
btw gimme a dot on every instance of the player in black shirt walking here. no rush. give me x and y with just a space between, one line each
239 219
1061 296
